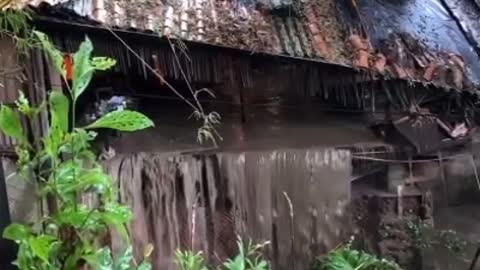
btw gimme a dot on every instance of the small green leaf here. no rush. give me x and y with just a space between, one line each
123 120
145 266
10 122
82 68
103 63
41 246
59 104
116 214
16 232
55 55
101 260
124 260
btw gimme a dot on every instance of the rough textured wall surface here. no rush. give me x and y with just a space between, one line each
21 199
204 201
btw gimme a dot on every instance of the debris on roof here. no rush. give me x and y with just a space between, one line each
413 39
408 39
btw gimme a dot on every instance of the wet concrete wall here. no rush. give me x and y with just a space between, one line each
296 199
456 195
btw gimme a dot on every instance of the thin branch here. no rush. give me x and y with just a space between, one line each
149 67
177 60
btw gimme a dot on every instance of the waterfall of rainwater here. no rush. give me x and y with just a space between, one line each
296 199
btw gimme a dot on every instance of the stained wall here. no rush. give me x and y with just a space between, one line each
296 199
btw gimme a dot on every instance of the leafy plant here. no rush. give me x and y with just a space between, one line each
346 258
71 235
426 236
249 257
189 260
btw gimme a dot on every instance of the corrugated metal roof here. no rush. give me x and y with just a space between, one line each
307 29
414 39
242 24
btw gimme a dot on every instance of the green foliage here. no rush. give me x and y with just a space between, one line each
122 120
15 20
65 169
346 258
10 123
55 55
59 107
189 260
82 68
249 257
426 237
103 63
15 23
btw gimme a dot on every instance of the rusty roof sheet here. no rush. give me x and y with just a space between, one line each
391 44
259 25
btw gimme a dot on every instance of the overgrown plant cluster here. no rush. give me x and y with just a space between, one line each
249 257
426 236
72 234
347 258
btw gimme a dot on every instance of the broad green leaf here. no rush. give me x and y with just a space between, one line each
59 104
41 246
16 232
82 68
55 54
10 123
122 120
103 63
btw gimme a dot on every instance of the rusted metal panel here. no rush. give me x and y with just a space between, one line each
426 46
260 26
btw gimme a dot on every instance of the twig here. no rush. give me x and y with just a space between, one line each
474 167
292 231
187 81
194 214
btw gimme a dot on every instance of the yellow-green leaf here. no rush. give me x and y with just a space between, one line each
55 54
82 68
59 105
123 120
41 246
10 122
103 63
16 232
